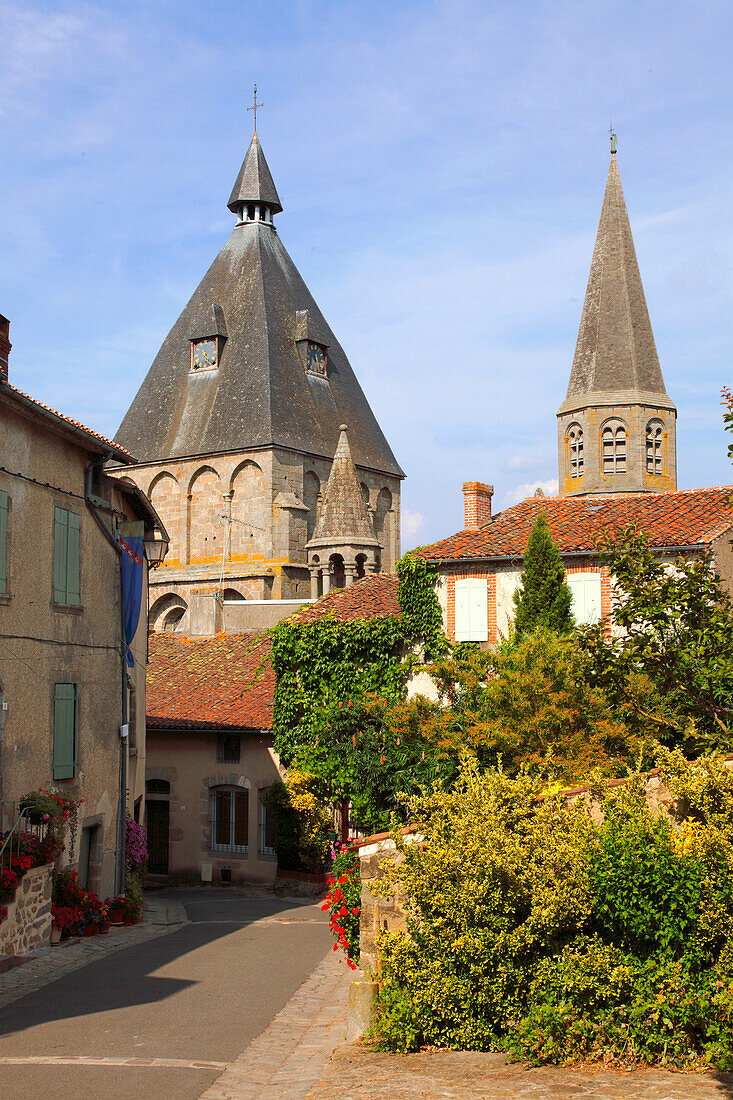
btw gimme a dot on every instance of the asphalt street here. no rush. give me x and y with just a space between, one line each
199 994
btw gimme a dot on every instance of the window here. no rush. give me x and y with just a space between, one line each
654 434
228 749
585 588
472 612
4 510
266 824
66 532
64 730
613 447
229 820
577 462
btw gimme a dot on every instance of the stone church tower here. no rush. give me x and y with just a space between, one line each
237 422
616 427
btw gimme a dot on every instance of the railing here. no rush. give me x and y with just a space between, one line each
18 821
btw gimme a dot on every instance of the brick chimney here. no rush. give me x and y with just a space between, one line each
477 503
5 347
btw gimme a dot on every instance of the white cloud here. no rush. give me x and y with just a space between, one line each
411 523
549 488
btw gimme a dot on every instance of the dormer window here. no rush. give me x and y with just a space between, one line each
207 340
317 362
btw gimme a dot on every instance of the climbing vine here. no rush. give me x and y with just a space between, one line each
422 618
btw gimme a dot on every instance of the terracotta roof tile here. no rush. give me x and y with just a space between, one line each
693 517
372 597
224 682
14 391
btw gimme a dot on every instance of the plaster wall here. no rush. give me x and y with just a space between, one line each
44 644
187 760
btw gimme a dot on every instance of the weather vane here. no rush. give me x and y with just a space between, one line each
254 107
614 139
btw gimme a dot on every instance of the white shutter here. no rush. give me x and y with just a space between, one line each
472 610
463 626
585 589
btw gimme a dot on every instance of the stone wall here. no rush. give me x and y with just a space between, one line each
379 914
28 923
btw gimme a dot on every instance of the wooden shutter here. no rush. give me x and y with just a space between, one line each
60 550
472 611
73 588
241 818
64 731
585 589
3 542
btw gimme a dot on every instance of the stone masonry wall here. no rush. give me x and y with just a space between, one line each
28 922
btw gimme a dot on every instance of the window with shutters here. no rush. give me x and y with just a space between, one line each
654 436
4 543
577 458
266 823
585 588
613 447
230 820
472 610
66 553
64 730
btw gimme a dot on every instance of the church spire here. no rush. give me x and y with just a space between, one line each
254 196
615 374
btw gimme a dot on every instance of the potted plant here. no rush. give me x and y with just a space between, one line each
131 911
115 909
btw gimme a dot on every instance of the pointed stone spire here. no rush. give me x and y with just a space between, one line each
615 348
343 546
254 183
343 515
617 423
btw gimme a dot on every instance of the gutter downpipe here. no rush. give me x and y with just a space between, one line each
113 539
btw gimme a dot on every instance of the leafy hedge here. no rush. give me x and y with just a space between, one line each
534 931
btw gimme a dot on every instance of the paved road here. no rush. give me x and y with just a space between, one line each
197 995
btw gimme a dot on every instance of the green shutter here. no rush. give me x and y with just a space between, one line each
60 551
66 551
3 542
73 591
64 731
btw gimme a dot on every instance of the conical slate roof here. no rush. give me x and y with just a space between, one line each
343 515
254 182
261 394
615 352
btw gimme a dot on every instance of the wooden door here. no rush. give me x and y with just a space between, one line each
158 811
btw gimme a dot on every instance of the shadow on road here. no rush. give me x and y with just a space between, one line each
126 977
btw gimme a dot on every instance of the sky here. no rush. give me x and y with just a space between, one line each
441 167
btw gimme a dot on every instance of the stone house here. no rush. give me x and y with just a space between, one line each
236 425
63 524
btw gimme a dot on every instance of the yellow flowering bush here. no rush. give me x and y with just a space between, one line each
534 930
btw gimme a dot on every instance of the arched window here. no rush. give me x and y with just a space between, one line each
230 820
613 448
577 461
654 435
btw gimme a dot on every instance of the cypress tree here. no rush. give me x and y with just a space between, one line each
544 598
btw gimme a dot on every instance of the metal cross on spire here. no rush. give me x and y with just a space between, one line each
254 107
614 139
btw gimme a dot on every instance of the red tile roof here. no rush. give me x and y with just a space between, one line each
51 414
693 517
372 597
224 682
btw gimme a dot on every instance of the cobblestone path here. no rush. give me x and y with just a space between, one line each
357 1074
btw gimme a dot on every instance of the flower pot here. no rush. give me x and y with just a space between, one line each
116 916
89 930
127 921
104 928
55 935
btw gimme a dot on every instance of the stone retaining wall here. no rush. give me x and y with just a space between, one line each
28 923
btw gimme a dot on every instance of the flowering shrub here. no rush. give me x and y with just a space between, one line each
68 893
136 847
54 808
344 902
68 919
8 882
535 931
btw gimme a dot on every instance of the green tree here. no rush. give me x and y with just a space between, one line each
544 598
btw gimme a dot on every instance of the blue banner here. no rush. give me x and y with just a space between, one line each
132 565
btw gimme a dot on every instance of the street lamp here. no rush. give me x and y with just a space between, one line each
155 548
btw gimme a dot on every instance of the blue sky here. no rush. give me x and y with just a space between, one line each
441 166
